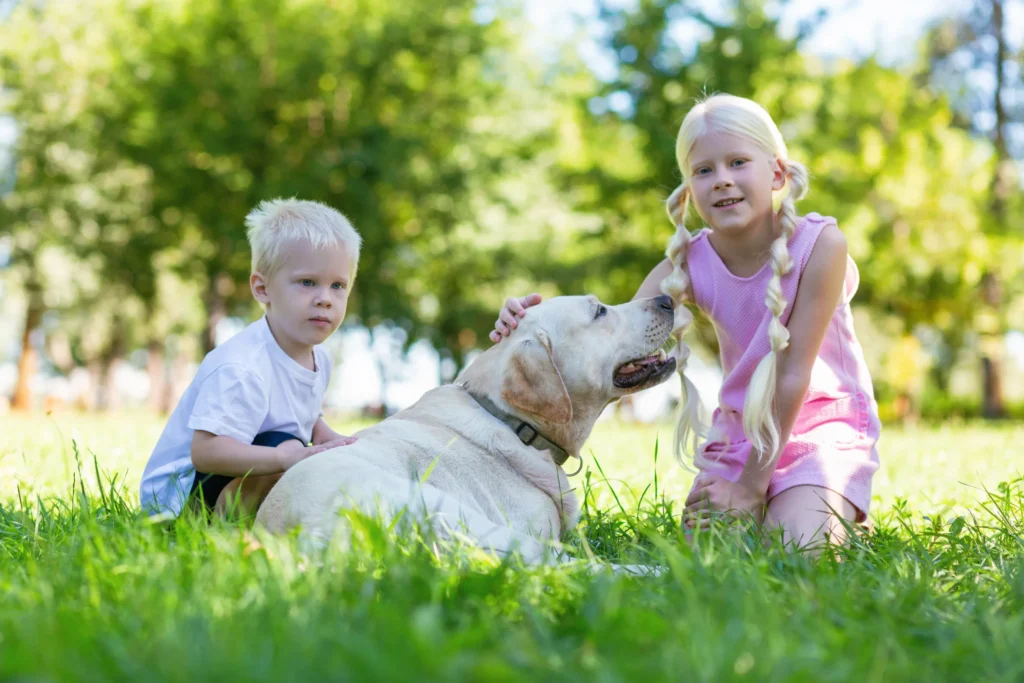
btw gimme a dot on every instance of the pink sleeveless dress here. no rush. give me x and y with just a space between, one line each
833 443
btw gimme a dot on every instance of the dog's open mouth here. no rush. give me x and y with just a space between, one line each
648 370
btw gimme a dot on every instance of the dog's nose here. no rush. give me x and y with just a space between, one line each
665 302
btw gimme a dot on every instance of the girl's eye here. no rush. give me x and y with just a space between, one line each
307 283
337 285
601 310
703 171
739 162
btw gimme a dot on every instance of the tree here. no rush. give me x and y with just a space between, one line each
363 105
961 52
74 206
904 186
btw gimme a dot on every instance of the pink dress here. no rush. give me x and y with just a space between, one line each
833 443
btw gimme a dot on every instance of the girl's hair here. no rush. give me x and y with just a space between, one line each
275 223
743 118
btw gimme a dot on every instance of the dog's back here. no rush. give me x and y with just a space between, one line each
442 457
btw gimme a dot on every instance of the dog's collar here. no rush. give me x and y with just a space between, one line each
526 432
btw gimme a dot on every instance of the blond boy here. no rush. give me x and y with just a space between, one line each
256 400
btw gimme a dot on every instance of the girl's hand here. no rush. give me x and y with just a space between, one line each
712 493
509 317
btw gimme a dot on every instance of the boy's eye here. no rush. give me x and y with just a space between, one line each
307 283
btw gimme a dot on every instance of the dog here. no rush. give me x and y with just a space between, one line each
482 458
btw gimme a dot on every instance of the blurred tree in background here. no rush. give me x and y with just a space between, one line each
476 167
971 57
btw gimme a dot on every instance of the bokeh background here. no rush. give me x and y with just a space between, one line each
486 149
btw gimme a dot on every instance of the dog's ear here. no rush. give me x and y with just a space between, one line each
533 384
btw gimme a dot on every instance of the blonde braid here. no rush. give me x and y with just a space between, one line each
690 429
759 420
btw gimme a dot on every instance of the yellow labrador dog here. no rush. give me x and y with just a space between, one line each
482 458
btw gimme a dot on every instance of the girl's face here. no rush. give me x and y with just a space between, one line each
731 181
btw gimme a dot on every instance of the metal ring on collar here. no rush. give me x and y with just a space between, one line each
578 469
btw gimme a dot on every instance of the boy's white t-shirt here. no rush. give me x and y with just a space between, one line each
246 386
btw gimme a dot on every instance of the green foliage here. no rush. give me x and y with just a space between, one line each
370 107
474 169
81 218
908 190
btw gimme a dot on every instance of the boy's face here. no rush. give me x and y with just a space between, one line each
306 298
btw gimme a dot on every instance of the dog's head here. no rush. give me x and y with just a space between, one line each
571 356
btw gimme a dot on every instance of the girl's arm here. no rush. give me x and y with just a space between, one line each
652 283
515 308
818 295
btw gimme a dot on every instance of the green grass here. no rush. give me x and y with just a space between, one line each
92 592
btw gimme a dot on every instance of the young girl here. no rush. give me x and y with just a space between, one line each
793 441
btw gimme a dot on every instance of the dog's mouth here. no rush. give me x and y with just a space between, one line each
644 372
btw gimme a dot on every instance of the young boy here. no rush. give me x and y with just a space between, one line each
256 400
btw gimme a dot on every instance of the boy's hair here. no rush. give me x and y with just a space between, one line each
274 223
747 119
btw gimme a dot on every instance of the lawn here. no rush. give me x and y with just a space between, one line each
92 592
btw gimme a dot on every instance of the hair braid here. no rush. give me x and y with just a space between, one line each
690 429
759 416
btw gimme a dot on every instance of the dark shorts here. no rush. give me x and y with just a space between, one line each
207 487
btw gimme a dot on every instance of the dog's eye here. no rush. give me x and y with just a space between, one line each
601 310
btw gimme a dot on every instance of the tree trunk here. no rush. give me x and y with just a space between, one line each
993 406
215 299
105 400
107 397
28 362
156 368
1003 184
991 327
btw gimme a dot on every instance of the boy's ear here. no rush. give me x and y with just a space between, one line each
258 285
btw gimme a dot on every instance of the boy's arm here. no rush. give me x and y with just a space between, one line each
323 434
215 454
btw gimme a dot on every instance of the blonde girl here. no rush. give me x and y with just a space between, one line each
793 440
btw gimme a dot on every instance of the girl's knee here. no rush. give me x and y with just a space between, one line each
810 517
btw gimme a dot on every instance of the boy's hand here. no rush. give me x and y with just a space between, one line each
333 443
711 493
513 310
292 451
